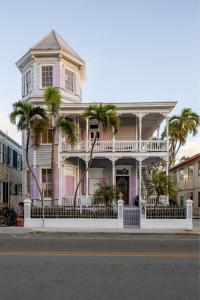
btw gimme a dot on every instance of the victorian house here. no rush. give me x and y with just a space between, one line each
118 159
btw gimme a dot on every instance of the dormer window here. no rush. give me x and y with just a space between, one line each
47 76
70 81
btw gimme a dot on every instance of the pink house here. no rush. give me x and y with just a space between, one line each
118 159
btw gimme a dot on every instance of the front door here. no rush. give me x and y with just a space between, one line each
122 183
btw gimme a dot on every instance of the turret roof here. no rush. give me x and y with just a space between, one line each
53 41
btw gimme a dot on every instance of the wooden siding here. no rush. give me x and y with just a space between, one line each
43 155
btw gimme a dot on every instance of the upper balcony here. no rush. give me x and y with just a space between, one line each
117 146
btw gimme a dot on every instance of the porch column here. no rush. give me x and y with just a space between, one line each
167 132
140 180
113 140
140 131
78 174
86 165
167 166
87 134
113 172
78 127
158 133
167 137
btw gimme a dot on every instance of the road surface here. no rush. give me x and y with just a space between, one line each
80 266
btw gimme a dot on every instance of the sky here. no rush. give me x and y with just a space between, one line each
135 50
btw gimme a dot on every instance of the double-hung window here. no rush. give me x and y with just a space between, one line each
47 136
70 81
47 76
47 181
190 171
181 175
28 82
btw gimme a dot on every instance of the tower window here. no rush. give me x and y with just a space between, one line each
47 76
69 81
27 83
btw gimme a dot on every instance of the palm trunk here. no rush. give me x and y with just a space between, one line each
89 165
53 165
29 167
157 198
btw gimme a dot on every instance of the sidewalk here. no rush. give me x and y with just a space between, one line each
127 230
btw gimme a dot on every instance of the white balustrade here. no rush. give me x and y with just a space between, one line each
120 146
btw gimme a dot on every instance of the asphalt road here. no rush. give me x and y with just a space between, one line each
64 266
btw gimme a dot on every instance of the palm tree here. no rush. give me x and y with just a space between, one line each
180 127
105 194
105 115
58 122
161 184
31 119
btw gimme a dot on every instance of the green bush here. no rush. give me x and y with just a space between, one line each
10 216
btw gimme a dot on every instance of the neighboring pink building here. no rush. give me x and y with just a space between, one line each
187 176
118 159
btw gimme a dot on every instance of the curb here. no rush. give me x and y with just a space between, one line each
115 233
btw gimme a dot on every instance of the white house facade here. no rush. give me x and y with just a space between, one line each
118 159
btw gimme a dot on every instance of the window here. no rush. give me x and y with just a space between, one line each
181 175
191 196
190 171
47 76
19 162
47 136
47 179
198 199
198 167
69 81
9 156
27 82
5 192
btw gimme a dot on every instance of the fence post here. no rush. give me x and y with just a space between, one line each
189 224
143 204
143 213
27 212
120 204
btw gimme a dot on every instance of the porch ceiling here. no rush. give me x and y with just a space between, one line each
150 123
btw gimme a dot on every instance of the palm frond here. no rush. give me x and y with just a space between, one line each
52 99
68 128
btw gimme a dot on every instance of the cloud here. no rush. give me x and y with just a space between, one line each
9 129
189 149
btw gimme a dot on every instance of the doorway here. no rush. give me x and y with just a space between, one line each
122 183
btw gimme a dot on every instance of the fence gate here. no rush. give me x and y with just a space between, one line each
131 216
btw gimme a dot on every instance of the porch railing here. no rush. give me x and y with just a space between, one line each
117 146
